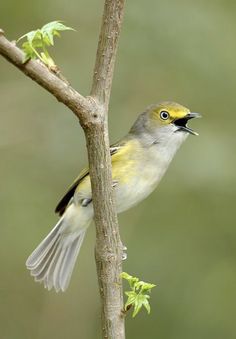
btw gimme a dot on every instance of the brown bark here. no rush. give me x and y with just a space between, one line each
108 251
92 112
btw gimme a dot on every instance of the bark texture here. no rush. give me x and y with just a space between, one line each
108 250
92 112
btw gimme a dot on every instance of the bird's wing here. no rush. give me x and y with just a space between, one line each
61 206
63 203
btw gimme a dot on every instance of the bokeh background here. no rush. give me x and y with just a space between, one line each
182 237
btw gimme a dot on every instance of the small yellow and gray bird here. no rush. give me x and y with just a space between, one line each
139 161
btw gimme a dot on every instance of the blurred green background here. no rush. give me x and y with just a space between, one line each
183 236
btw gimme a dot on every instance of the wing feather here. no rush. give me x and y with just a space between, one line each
63 203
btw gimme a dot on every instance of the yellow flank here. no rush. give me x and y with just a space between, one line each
123 161
122 166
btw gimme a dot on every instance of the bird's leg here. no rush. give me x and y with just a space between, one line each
114 183
86 201
124 254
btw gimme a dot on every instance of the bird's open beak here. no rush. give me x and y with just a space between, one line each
181 123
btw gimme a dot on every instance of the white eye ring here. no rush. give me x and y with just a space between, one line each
164 115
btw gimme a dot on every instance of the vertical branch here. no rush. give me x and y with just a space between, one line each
106 51
108 249
93 115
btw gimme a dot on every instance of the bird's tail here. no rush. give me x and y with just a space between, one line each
52 262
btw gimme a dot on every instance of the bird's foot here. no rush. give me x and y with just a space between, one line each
124 254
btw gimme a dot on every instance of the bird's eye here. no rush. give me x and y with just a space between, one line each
164 115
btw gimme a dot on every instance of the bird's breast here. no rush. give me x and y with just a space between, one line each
137 177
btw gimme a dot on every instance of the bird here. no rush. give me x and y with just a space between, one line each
139 161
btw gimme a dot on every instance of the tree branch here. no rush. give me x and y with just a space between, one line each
108 249
92 112
38 72
106 51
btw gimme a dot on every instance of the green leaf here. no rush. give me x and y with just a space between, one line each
131 280
38 40
51 29
30 36
29 52
145 287
140 301
126 276
147 305
137 297
131 298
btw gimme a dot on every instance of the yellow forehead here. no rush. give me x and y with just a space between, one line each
175 111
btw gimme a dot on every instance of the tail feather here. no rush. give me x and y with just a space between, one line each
39 272
52 262
69 261
39 253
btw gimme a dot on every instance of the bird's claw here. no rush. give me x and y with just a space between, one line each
124 254
114 183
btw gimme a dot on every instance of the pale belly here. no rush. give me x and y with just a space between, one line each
136 189
131 195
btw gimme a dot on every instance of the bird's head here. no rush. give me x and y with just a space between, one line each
173 115
165 121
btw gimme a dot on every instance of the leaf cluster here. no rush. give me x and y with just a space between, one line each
138 296
38 41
